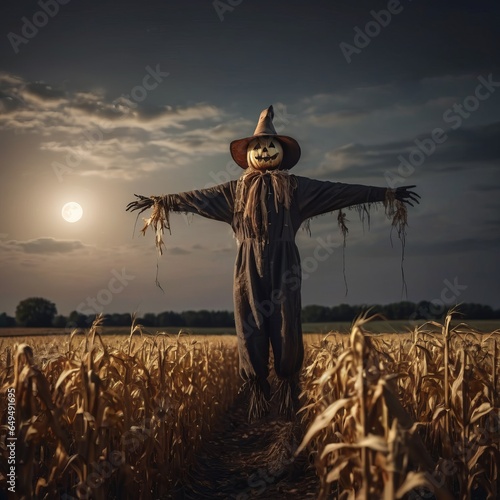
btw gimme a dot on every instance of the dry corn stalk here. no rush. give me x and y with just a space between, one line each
387 420
96 421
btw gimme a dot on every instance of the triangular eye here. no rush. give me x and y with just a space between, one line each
271 145
257 146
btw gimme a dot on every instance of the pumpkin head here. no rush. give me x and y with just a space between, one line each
264 153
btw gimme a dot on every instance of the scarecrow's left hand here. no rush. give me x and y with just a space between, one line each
142 203
404 194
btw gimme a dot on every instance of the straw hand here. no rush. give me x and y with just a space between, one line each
404 194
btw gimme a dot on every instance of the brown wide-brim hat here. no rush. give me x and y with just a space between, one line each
265 127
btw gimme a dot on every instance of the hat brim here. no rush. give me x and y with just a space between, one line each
291 150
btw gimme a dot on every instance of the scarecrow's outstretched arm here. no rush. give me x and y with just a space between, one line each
318 197
214 203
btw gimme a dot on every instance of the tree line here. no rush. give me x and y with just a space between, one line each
40 312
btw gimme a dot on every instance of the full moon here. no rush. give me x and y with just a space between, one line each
72 212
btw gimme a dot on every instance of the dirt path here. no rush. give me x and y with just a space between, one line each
242 461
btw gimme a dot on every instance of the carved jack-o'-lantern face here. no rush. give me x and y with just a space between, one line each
264 153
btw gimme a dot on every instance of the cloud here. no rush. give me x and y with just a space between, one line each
43 246
416 99
177 251
89 134
44 92
463 149
355 104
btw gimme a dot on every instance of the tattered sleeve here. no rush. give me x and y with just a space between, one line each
318 197
214 203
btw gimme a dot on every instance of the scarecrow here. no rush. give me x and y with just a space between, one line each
265 208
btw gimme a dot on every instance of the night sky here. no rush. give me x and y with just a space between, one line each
100 100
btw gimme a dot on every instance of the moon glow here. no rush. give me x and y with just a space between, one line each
72 212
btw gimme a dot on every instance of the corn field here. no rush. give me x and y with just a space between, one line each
414 418
401 416
96 421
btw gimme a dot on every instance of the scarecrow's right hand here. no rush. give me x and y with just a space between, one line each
142 203
404 194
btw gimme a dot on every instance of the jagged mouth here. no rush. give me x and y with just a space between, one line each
267 158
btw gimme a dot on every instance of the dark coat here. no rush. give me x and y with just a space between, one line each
267 273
